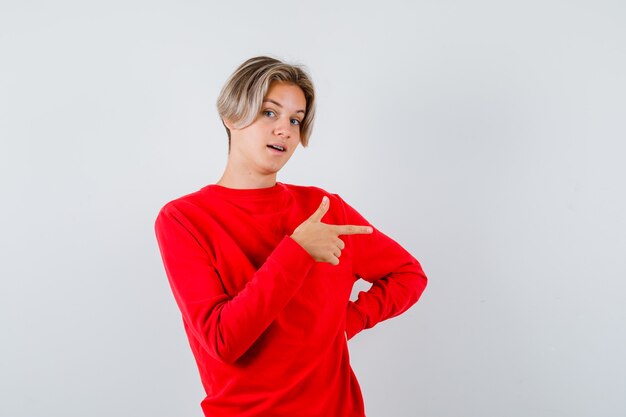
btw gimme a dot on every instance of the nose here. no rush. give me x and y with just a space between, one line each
283 128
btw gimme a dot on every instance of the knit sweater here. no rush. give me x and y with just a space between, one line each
267 324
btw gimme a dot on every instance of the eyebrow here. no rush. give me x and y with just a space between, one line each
278 104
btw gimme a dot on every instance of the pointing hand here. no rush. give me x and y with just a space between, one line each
322 240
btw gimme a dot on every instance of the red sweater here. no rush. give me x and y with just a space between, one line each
265 321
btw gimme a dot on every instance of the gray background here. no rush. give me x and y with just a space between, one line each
487 137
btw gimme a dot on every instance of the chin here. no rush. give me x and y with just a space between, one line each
270 170
273 169
276 170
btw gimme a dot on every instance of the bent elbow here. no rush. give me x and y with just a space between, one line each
420 280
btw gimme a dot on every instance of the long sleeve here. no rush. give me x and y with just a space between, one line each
397 277
226 326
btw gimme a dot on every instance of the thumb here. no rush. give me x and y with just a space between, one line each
321 210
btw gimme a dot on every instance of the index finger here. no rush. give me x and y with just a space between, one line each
349 229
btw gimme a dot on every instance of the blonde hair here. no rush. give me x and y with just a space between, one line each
242 96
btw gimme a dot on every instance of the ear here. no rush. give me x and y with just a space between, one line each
228 124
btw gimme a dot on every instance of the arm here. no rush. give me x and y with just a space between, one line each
226 327
397 277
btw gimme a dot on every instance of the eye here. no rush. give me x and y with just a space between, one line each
295 122
269 113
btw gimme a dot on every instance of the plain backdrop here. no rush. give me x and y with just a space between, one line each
487 137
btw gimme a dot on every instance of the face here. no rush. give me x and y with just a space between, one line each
265 146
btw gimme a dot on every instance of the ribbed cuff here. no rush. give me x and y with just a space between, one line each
354 320
294 260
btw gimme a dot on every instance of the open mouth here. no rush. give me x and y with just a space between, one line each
277 147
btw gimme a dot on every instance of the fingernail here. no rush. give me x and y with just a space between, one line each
324 200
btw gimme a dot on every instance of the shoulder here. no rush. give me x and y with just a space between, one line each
339 208
187 202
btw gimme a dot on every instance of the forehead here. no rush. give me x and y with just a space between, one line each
286 94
